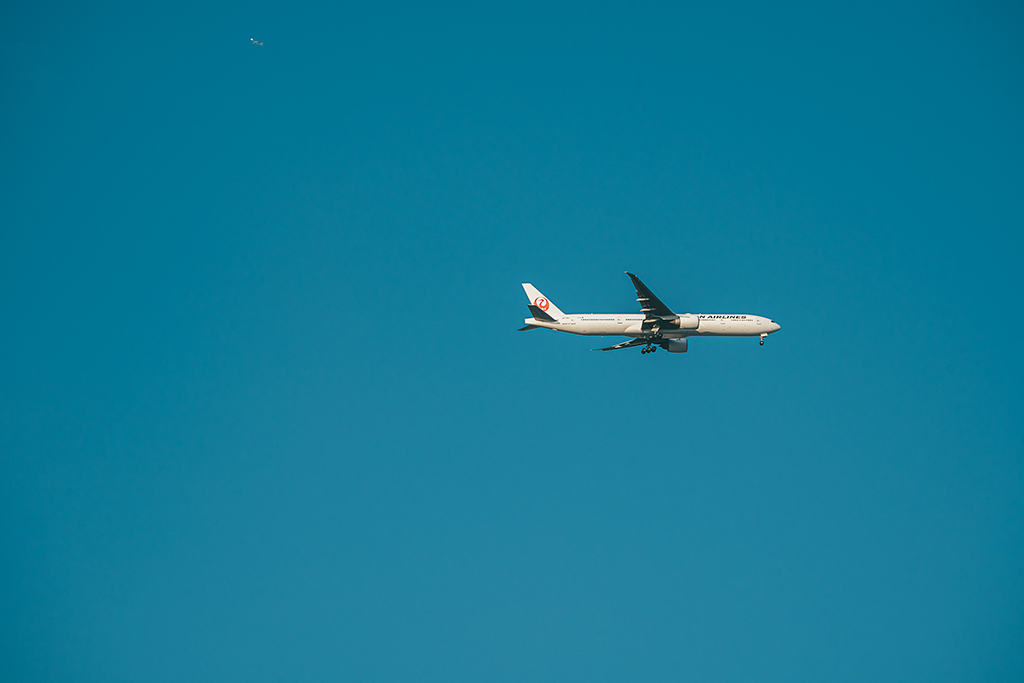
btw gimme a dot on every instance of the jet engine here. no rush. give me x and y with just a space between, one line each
675 345
688 321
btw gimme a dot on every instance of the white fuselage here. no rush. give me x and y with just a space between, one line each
630 325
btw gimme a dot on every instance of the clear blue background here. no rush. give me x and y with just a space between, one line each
265 415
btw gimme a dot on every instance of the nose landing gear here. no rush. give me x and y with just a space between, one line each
762 338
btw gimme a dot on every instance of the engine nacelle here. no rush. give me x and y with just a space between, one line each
688 321
675 345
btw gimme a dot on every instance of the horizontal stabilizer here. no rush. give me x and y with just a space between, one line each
539 314
529 327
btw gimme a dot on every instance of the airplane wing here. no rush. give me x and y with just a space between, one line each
625 345
649 304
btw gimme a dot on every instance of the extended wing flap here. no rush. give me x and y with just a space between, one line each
624 345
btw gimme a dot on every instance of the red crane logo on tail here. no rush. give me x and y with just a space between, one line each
541 303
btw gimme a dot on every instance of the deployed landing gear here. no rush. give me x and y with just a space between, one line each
762 339
649 349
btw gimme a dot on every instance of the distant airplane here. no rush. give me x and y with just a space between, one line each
658 326
256 42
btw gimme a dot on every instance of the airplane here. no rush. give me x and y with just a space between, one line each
256 42
657 326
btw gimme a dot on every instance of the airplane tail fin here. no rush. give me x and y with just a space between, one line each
541 302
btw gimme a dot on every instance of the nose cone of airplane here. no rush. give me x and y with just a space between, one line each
775 326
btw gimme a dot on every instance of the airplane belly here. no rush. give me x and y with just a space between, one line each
605 330
738 328
596 328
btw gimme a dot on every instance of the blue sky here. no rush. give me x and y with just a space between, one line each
264 415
